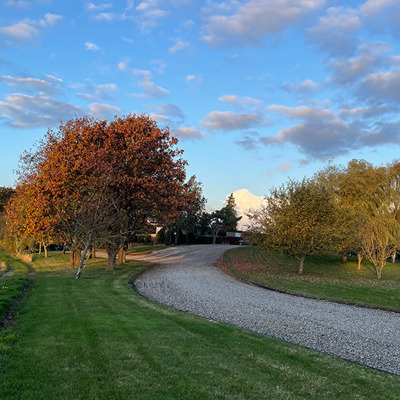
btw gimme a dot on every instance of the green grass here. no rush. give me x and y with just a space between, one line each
145 249
325 277
11 287
94 338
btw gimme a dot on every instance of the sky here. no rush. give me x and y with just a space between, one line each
257 91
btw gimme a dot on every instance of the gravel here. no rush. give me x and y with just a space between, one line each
187 280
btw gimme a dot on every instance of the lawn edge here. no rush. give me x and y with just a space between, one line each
7 320
223 267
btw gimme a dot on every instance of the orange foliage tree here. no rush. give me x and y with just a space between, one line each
100 182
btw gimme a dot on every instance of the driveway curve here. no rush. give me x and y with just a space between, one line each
187 280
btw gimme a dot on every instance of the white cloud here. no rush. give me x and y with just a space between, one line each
382 86
302 112
21 4
152 90
198 79
319 140
91 46
160 118
149 14
27 112
245 202
252 20
228 120
123 65
29 84
26 29
178 46
249 142
186 132
103 111
50 20
335 32
323 140
97 92
99 7
366 112
305 87
373 7
285 166
171 110
239 101
106 17
348 70
20 31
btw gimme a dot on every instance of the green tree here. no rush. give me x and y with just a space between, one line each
225 219
297 219
189 218
359 191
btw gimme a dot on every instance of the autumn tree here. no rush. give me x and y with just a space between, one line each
297 219
99 182
5 194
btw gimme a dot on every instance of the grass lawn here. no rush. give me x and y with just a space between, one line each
325 277
145 249
11 287
95 338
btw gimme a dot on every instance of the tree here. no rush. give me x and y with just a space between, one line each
189 218
377 241
5 194
225 219
100 182
230 218
297 219
359 190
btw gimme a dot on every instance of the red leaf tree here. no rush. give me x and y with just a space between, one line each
100 182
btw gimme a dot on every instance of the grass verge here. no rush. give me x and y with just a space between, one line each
94 338
11 287
325 277
145 249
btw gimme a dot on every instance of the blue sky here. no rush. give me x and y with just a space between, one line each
257 91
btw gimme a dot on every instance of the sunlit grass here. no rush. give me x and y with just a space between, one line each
95 338
325 276
11 287
145 249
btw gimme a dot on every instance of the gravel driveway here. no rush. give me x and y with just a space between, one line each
187 281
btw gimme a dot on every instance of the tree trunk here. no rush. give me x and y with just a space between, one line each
394 256
40 248
93 251
72 259
64 248
379 269
360 258
75 257
83 259
45 250
124 255
112 256
120 257
301 264
344 256
214 239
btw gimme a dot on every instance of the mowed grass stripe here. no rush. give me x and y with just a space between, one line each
95 338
